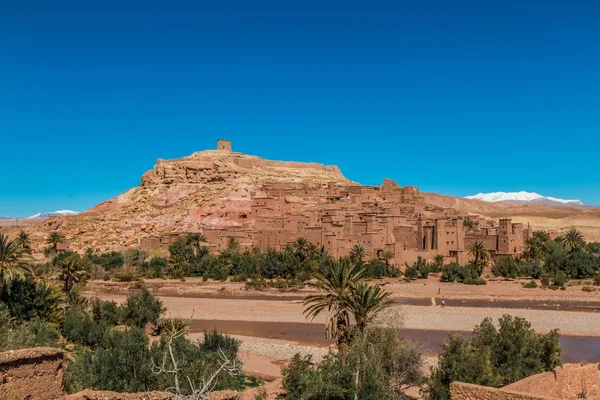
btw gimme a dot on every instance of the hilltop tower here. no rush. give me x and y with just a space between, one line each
224 145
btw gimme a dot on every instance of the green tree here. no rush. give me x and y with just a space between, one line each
493 356
480 255
537 246
233 245
386 256
141 308
54 239
301 247
573 240
335 279
469 224
25 240
358 254
438 261
195 240
14 259
72 272
507 267
365 301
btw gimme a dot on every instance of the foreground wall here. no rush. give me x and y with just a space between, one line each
567 382
35 372
466 391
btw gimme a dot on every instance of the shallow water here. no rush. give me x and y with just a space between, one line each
577 349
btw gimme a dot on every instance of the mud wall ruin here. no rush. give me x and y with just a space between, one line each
32 373
569 382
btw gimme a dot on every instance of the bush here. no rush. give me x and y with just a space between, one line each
27 300
534 269
530 285
507 267
134 257
454 272
560 279
588 289
141 308
109 261
597 279
156 268
121 362
545 281
125 274
411 273
493 356
385 364
34 333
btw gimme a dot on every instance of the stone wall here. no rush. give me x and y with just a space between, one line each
35 373
466 391
566 382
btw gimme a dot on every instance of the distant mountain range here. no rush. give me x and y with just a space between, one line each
59 213
524 198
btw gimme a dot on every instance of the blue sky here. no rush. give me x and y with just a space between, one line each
456 97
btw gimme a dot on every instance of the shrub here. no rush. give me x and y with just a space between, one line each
411 273
530 285
121 362
507 267
109 261
545 281
27 300
597 279
125 274
493 356
560 279
134 257
141 308
588 289
383 361
34 333
454 272
155 268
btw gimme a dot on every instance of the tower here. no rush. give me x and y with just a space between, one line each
224 145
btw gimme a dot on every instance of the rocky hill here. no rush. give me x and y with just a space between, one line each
184 195
207 189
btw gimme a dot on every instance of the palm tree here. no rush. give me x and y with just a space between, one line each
14 259
195 240
203 251
232 244
438 260
25 240
468 223
573 240
301 248
537 246
365 301
71 273
480 252
54 239
358 254
336 279
386 256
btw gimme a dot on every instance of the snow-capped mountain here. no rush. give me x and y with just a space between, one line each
59 213
523 198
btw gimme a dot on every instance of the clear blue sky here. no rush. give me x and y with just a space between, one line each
456 97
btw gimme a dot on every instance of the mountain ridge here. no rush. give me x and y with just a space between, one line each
523 197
